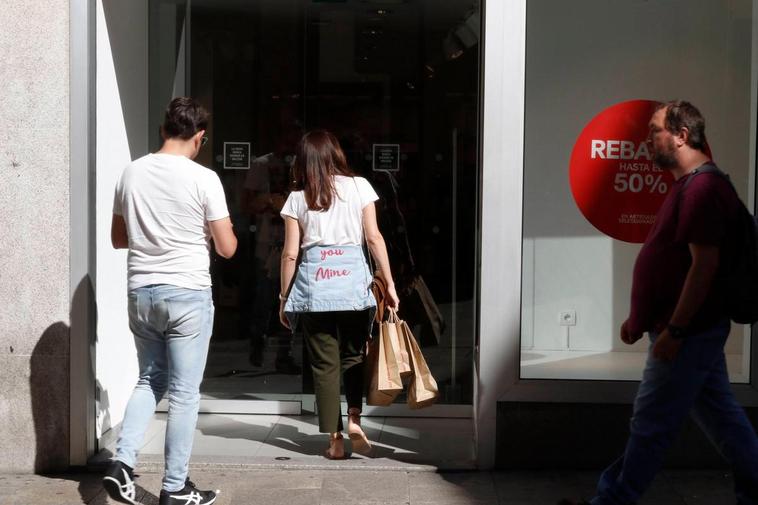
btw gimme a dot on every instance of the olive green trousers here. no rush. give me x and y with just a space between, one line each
336 343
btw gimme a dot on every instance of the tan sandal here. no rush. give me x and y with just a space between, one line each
358 438
329 454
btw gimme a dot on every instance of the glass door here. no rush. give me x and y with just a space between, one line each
398 83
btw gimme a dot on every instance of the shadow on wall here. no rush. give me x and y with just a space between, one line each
49 388
50 381
103 419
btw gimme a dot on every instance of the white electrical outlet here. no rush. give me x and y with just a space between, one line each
567 318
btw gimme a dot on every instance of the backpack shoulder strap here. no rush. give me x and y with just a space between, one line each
708 168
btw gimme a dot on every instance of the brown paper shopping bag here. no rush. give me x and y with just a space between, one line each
384 375
422 389
394 327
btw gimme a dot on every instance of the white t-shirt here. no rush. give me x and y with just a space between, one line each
167 201
341 223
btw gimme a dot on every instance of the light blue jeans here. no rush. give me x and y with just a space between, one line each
172 328
695 382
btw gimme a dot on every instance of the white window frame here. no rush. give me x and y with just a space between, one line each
498 354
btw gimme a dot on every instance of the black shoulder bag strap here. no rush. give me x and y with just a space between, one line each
708 168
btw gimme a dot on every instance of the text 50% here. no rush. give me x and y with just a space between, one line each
637 182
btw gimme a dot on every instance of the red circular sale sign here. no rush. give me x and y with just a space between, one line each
615 183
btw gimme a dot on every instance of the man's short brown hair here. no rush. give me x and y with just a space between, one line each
681 114
184 118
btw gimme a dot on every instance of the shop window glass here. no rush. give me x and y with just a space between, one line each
589 56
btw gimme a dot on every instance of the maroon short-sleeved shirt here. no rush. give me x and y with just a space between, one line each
703 214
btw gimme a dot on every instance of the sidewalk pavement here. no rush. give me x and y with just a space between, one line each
370 487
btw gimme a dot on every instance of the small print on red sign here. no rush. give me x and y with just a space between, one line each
615 183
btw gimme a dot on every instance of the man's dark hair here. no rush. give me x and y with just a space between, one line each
184 118
681 114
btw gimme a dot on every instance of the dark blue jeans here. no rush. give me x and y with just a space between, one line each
697 382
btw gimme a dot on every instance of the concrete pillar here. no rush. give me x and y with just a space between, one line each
34 248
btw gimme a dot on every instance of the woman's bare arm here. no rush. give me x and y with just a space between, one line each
289 261
378 250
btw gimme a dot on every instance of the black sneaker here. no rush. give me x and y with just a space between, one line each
119 482
190 495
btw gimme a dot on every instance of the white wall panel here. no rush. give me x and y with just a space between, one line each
121 135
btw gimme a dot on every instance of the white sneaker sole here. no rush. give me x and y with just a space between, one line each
115 491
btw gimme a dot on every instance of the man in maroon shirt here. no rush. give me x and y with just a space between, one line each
677 298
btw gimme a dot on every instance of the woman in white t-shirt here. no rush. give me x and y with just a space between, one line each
328 294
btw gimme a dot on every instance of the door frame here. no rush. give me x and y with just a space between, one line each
290 407
83 93
82 261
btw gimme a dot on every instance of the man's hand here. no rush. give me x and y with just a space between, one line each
224 239
666 347
626 336
119 235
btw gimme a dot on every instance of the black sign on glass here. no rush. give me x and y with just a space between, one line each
237 155
386 157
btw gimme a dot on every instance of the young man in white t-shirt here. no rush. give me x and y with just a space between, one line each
166 210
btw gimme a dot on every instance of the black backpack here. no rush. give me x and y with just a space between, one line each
738 270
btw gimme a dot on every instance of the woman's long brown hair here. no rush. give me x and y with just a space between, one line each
318 158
